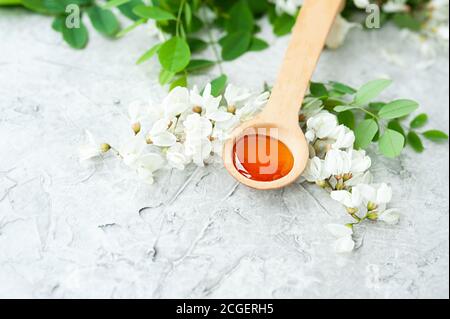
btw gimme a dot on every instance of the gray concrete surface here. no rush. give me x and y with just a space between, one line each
69 231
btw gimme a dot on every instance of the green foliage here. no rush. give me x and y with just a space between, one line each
387 124
238 20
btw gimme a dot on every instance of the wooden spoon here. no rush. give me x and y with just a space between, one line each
279 119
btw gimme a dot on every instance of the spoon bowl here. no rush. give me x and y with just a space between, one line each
279 119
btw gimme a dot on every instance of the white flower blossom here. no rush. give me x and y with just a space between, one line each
362 4
344 138
176 102
322 124
315 170
253 105
394 6
344 238
210 105
389 216
236 95
378 195
176 156
287 6
159 134
348 199
198 145
360 162
90 149
337 162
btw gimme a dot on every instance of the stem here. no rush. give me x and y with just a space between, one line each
368 112
213 43
180 11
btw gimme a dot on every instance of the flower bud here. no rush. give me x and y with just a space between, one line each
105 147
231 109
340 185
197 109
136 127
302 118
371 206
372 216
352 210
322 184
347 177
148 140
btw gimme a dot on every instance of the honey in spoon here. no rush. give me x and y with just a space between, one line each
262 158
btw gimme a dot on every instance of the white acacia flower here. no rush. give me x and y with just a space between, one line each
290 7
90 149
389 216
138 111
198 126
210 105
344 138
375 197
360 162
343 234
159 134
394 6
176 102
322 124
176 156
315 170
337 162
198 144
349 200
362 4
338 33
365 178
147 164
236 96
253 105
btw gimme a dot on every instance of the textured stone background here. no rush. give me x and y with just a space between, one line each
67 230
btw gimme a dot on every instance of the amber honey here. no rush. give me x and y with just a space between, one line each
262 158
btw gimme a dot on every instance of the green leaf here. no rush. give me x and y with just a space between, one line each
154 13
365 133
283 24
130 28
343 108
104 21
435 136
114 3
196 65
241 18
235 44
258 45
127 9
396 126
397 109
218 85
188 15
196 44
174 55
181 81
419 121
149 54
347 118
58 23
318 90
77 38
407 21
416 143
391 143
342 88
165 76
370 91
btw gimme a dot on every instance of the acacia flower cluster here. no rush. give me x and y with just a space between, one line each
190 126
337 167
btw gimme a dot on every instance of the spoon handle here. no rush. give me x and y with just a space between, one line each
308 39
